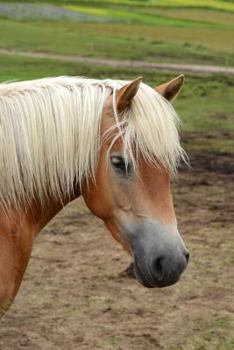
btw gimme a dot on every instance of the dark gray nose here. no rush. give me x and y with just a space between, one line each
166 269
160 256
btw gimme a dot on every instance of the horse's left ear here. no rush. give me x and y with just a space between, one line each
125 95
172 88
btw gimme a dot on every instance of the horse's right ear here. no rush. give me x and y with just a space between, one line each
172 88
125 95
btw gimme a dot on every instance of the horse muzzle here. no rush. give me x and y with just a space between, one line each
161 270
160 255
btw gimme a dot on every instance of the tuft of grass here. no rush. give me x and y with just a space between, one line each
215 334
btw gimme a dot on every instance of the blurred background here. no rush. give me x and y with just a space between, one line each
74 295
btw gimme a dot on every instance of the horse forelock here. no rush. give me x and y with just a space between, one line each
50 133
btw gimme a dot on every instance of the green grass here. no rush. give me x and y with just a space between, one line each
150 43
220 5
214 334
210 16
210 4
132 30
148 17
205 104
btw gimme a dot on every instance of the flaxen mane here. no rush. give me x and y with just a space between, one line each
50 133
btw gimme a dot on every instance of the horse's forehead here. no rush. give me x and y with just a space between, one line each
118 145
107 110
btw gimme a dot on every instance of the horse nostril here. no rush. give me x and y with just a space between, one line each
187 257
158 268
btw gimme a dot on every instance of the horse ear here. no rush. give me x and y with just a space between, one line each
172 88
125 95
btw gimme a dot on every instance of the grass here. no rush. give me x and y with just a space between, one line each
132 30
210 16
148 17
150 43
220 5
205 104
215 334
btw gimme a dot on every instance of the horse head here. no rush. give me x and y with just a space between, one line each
132 192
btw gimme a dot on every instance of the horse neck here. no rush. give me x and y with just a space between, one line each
41 215
18 230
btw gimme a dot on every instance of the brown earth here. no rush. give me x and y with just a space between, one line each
73 296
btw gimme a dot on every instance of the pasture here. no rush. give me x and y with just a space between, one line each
74 294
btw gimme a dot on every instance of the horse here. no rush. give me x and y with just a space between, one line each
114 142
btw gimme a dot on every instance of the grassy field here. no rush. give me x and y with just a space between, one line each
223 5
118 41
151 34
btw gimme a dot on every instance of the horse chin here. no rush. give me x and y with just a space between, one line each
143 278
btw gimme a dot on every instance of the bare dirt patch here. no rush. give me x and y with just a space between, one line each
73 296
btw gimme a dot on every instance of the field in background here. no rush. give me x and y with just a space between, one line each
65 300
148 33
223 5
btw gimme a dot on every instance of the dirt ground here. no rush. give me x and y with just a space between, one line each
73 296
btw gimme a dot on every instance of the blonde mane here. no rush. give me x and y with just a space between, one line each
50 134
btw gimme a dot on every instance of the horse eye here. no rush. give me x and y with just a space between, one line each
120 165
